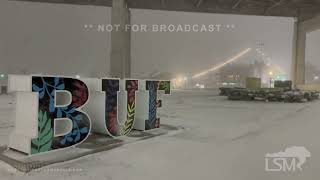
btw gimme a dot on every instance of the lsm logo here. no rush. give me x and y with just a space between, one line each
290 160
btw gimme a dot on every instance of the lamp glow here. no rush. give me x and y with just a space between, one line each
223 64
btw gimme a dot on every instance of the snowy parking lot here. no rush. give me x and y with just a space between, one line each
225 140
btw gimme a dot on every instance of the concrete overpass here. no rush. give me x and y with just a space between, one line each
305 11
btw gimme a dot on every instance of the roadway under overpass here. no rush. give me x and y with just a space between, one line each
306 13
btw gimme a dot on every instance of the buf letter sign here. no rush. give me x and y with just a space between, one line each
54 112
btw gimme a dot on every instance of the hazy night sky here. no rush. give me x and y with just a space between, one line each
194 52
312 49
51 38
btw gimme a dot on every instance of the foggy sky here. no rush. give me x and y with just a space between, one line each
312 48
194 52
51 38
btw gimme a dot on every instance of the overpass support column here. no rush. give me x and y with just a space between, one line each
302 28
299 69
120 63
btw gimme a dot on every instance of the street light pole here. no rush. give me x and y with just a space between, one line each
270 73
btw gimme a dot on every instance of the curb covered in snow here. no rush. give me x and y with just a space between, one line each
96 143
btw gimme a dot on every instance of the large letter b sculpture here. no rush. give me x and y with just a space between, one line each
50 113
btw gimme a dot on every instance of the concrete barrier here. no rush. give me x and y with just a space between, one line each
309 87
3 90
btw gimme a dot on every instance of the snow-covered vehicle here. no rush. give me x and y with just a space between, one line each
269 94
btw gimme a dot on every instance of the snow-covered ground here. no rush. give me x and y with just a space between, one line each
223 140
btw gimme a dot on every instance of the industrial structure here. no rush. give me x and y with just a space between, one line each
304 11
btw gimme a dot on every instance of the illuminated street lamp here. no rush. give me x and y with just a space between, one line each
271 74
180 82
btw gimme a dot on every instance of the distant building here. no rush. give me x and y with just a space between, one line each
312 73
3 85
236 74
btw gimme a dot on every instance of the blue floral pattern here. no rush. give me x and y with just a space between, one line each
46 87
